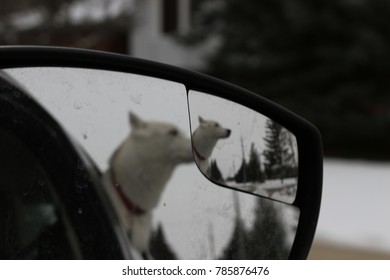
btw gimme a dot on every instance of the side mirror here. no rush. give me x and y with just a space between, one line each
174 163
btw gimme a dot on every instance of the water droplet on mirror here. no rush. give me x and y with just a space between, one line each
77 105
136 99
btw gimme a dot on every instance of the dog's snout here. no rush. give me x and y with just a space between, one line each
228 132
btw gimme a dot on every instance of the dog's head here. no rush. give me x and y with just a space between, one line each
160 140
212 129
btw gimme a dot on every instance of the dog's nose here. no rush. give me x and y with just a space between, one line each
228 132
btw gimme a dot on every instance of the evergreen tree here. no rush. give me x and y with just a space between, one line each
273 152
251 171
280 158
214 172
159 248
267 238
254 172
240 176
289 156
237 246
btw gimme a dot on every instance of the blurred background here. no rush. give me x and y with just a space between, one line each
326 60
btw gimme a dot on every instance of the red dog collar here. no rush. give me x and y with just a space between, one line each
131 206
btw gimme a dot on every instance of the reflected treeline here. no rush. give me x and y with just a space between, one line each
266 238
280 152
277 161
250 171
159 247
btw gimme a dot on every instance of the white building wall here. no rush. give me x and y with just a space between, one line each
149 42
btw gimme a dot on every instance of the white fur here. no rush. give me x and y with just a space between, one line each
204 139
143 164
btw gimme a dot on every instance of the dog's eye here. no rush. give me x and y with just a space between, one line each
216 124
173 132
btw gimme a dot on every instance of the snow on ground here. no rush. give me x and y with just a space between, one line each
355 206
277 189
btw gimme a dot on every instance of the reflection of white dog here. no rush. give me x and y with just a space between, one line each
204 139
139 170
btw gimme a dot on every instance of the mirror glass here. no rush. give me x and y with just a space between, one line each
138 132
240 148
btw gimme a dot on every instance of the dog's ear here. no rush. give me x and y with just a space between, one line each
201 120
135 121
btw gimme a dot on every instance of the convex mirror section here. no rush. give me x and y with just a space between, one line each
240 148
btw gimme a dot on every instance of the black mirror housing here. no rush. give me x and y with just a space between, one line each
79 189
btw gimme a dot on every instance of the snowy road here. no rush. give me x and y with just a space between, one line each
355 207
